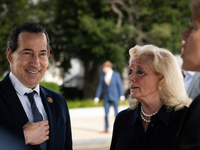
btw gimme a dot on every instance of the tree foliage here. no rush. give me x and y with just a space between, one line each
91 35
97 30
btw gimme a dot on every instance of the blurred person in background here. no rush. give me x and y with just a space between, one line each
157 105
111 83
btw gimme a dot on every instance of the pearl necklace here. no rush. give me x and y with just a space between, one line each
147 115
145 120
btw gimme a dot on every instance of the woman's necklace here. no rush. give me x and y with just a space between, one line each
145 120
147 115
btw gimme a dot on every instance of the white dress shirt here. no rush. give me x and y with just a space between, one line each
108 76
188 78
21 90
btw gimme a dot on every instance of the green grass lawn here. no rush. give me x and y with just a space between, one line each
88 103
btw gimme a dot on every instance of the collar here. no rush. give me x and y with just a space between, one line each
19 87
136 114
163 114
189 73
109 72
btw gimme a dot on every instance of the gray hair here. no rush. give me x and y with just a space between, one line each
171 87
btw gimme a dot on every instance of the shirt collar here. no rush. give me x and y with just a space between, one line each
190 73
20 88
136 114
163 114
110 72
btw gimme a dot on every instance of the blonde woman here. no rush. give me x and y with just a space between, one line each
157 105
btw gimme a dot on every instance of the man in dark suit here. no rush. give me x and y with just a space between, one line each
113 90
37 115
189 134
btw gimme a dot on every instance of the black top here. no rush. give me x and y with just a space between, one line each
189 135
128 131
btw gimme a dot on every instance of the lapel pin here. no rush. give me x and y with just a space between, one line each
50 100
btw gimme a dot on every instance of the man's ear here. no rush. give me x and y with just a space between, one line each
9 55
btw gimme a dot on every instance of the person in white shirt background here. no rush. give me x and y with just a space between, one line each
111 83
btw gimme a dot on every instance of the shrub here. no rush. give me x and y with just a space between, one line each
52 86
71 93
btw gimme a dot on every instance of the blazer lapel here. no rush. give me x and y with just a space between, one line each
104 82
10 97
112 77
194 80
48 103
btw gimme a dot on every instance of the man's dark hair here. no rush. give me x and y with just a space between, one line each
30 27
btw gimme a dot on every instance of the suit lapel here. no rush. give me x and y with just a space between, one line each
112 77
194 80
10 97
104 79
50 110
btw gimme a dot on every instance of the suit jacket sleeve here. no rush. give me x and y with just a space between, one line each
100 87
120 85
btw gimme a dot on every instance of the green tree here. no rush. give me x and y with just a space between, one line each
158 22
87 30
166 23
95 31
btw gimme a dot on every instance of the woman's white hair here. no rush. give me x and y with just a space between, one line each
171 87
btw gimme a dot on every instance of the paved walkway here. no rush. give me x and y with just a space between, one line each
87 123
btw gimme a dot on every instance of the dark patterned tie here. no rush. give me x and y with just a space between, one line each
36 114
